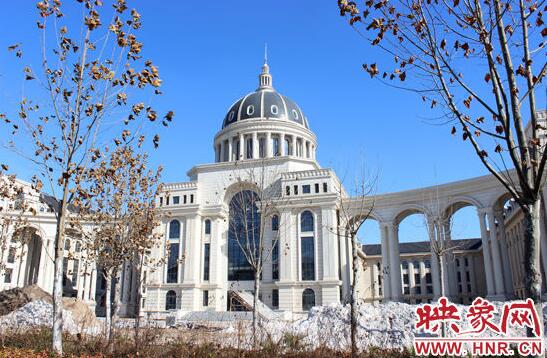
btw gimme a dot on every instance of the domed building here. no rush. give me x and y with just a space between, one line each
265 146
266 193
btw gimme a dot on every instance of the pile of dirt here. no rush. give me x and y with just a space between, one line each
11 300
16 298
82 315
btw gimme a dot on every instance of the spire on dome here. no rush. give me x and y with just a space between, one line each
265 79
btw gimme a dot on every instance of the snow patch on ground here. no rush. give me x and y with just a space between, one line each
39 313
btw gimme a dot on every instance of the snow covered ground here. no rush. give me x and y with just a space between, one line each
389 325
39 313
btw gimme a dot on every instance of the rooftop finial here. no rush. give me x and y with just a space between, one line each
265 79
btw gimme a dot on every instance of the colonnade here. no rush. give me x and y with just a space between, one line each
497 270
263 145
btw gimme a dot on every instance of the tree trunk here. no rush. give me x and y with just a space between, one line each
255 304
108 304
116 305
443 293
532 227
354 298
138 299
57 334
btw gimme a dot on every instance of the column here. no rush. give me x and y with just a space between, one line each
386 276
395 262
411 282
495 251
507 276
269 152
344 265
329 247
231 149
435 272
282 144
256 149
242 147
490 286
293 146
287 251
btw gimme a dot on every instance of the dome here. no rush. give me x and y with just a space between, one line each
265 103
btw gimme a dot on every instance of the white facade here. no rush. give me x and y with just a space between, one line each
266 135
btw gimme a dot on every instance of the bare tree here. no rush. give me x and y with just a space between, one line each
438 48
120 203
86 74
256 200
354 209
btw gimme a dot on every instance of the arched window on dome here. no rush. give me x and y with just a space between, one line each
274 109
250 110
170 300
308 299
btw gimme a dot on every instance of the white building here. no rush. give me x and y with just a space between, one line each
266 135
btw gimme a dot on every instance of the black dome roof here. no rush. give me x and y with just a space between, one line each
265 104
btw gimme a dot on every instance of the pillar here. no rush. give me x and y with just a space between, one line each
496 256
386 274
328 241
395 262
282 144
242 147
490 286
344 264
231 149
507 276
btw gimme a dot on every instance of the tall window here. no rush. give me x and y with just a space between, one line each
250 148
207 227
238 147
244 231
275 298
275 146
275 261
307 249
171 300
275 223
173 256
172 263
306 221
262 147
206 261
287 145
174 229
308 299
308 259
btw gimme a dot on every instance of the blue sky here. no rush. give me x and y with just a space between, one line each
210 53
